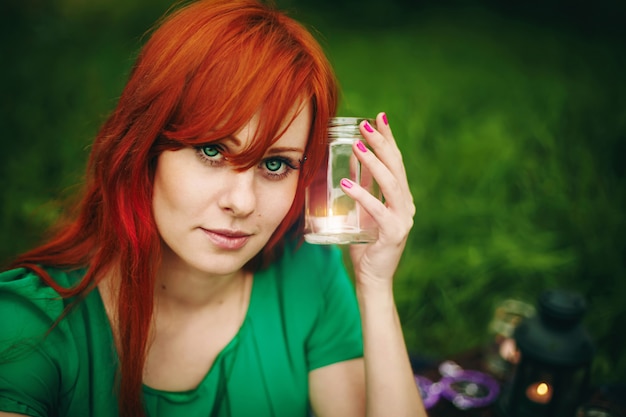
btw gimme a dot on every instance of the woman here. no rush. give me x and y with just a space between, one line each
181 286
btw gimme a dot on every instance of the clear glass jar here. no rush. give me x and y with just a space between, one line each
331 216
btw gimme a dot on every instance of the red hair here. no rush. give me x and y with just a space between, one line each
202 75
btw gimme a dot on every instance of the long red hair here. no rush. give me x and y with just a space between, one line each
205 71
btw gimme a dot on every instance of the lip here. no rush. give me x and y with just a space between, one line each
227 239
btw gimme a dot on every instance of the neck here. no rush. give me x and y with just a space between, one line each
185 298
180 287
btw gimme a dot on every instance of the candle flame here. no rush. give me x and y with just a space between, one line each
542 389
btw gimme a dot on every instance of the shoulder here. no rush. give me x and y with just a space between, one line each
307 282
39 320
35 350
26 298
27 280
324 302
303 278
307 259
306 275
24 294
34 308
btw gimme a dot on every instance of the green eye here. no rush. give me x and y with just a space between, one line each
210 151
276 168
273 165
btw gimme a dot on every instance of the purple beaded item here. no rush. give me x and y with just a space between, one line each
467 389
430 392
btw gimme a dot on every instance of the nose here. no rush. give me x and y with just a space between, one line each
238 195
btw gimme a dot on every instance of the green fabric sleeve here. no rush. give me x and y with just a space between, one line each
336 334
31 359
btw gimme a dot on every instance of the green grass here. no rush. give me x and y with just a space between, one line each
513 138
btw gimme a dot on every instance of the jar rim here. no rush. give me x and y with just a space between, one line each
348 121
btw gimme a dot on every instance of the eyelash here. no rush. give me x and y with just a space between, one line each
288 165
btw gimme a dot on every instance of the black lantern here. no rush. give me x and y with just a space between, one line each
552 375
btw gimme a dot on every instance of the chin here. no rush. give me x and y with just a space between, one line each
223 264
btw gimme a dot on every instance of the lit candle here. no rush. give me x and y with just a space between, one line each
539 392
330 224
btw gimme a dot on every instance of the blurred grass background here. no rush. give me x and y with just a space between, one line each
511 118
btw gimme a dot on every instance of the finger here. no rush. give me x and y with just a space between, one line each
383 127
394 191
391 227
383 144
381 134
372 205
366 177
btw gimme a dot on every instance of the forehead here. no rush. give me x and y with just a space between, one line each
293 131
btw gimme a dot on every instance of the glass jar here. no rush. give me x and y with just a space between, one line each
332 217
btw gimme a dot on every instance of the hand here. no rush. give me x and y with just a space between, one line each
376 263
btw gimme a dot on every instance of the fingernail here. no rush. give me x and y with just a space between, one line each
368 127
346 183
385 119
361 146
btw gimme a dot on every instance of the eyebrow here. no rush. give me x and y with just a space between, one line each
273 151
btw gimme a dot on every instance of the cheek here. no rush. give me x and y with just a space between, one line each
175 187
277 205
164 203
171 205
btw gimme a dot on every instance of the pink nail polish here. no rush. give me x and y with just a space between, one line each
346 183
369 127
385 119
361 146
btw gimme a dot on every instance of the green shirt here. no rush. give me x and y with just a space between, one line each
302 315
